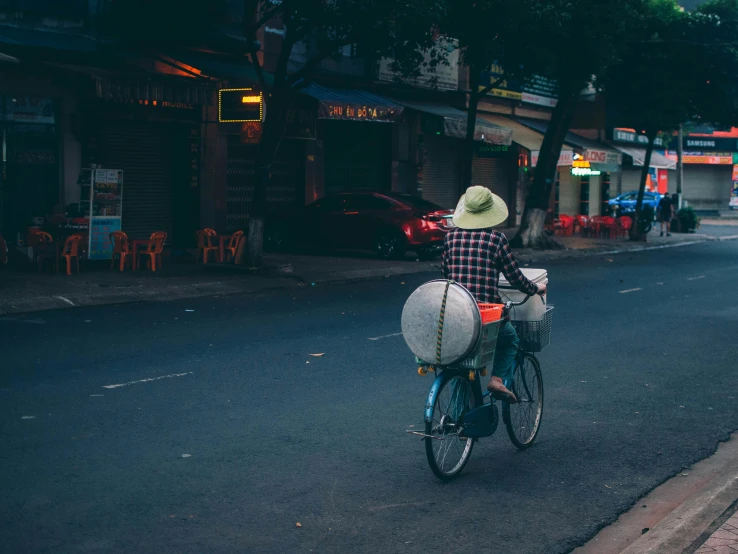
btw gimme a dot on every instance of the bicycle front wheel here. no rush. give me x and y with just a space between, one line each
523 420
446 448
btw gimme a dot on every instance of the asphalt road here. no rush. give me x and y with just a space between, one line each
225 433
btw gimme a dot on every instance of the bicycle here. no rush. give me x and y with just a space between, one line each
457 412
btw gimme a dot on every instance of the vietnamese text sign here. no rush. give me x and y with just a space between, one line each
566 158
355 112
702 158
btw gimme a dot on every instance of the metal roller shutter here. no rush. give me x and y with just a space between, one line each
631 180
568 193
141 151
286 187
707 187
441 172
358 156
492 173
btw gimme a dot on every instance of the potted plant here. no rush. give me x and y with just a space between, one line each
688 220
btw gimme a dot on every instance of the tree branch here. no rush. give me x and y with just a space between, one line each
486 90
250 7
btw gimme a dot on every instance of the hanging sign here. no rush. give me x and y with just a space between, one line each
583 168
237 105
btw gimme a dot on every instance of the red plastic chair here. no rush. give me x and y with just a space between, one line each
205 245
625 223
121 248
609 225
597 224
43 249
565 225
582 222
71 252
154 249
232 248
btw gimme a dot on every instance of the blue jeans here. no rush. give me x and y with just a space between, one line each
507 348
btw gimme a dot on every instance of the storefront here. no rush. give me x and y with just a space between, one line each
442 132
708 171
585 189
708 179
525 151
152 132
633 148
355 139
29 148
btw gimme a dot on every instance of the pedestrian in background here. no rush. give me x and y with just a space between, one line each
665 214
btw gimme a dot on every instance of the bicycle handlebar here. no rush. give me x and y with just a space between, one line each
511 304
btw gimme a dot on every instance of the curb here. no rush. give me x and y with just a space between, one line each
199 290
679 530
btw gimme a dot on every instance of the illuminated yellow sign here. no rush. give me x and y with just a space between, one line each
581 164
240 105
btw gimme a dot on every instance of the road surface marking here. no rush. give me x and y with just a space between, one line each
695 278
146 380
28 417
386 336
629 290
67 300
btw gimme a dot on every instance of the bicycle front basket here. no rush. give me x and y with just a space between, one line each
535 335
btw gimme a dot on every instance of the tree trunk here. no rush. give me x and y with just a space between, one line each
636 233
531 233
272 131
467 157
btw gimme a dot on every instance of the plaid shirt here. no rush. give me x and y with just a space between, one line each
475 258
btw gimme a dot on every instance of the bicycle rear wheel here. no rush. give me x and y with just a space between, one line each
523 420
447 451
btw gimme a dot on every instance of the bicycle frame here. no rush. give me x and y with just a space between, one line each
483 420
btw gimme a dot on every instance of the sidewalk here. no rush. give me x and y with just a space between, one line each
725 539
24 290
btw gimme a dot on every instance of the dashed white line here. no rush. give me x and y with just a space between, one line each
146 380
67 300
629 290
386 336
695 278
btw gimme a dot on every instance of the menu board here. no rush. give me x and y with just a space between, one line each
100 228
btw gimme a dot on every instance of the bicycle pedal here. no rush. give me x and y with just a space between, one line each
422 371
471 375
483 372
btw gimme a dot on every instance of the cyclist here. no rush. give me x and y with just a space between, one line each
473 256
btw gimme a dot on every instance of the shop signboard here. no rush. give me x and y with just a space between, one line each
583 168
445 74
238 105
536 90
29 109
720 144
603 157
486 150
100 228
356 112
631 137
703 158
565 158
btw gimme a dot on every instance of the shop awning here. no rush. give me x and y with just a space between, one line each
527 138
353 105
237 71
658 161
454 123
602 156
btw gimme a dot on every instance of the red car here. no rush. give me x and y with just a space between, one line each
388 223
